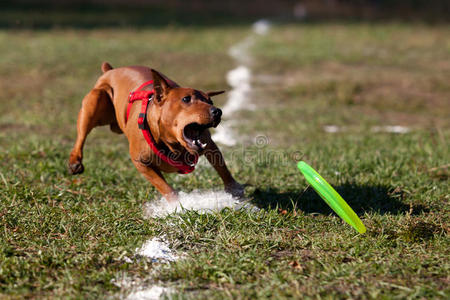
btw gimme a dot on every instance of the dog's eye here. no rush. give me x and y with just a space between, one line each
186 99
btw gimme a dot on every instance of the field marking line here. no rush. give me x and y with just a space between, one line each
157 249
398 129
239 79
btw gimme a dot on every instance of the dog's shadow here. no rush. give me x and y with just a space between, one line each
361 198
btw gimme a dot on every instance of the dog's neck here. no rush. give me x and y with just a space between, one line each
170 148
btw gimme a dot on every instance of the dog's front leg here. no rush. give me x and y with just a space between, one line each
157 179
216 159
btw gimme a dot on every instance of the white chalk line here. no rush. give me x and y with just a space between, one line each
398 129
199 201
239 79
152 293
391 129
138 292
157 249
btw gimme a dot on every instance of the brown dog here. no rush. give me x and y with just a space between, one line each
176 123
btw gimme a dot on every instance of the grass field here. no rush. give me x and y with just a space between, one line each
64 236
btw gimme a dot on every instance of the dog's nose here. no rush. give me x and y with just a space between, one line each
215 112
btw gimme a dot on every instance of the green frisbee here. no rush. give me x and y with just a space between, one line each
331 197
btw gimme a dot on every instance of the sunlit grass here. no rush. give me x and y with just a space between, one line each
65 236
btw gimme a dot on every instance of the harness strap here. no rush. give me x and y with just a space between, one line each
145 96
138 95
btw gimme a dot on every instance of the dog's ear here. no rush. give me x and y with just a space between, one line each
214 93
160 85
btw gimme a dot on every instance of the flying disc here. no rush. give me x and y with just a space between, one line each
331 197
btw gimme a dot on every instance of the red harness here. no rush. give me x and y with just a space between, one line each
146 97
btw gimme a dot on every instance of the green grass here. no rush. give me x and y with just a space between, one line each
64 236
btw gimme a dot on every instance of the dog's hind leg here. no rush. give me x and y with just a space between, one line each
96 110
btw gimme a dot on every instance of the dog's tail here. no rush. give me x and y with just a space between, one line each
106 67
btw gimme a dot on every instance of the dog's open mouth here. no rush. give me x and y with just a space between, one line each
192 134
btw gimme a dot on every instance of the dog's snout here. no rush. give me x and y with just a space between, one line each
215 112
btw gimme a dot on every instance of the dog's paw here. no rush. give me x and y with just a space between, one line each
235 189
76 168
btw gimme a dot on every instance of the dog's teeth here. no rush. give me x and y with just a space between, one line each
204 145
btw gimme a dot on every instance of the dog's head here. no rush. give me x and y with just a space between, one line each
184 115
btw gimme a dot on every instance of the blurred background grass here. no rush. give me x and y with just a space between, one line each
144 13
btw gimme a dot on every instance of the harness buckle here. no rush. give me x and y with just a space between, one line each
141 121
